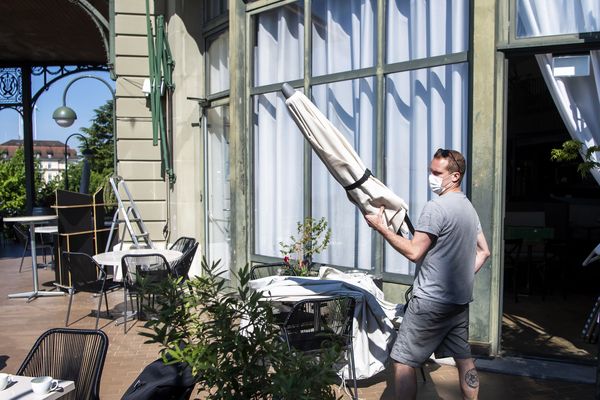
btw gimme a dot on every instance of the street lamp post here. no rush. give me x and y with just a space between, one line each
65 116
85 175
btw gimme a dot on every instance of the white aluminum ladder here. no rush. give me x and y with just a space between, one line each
129 216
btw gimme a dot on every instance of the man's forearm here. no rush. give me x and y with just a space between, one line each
480 258
482 252
412 249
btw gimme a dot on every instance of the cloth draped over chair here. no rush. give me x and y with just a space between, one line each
374 331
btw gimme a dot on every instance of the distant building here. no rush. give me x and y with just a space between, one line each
50 153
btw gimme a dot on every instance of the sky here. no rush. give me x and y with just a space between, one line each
84 96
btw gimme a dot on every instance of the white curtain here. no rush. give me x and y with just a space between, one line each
218 188
577 98
426 28
344 39
578 101
557 17
344 35
279 48
350 106
278 144
426 109
218 63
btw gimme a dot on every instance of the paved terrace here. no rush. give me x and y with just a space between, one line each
21 323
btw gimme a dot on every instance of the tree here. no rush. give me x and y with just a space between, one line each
570 151
12 184
100 139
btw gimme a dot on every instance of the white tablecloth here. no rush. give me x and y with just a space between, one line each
114 258
373 328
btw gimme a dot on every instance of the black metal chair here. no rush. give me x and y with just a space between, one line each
263 270
330 323
22 234
183 244
70 354
142 273
89 277
512 253
181 266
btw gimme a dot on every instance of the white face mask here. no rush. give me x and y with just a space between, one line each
435 183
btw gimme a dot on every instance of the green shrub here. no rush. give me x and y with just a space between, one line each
228 338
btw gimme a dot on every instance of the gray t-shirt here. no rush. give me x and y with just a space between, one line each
447 271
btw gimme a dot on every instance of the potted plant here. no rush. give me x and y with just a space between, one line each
312 237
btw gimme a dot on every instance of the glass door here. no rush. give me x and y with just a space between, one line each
218 192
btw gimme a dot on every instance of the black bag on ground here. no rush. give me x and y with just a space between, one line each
162 382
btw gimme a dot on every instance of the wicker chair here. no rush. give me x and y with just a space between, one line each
142 272
181 267
89 277
269 269
330 322
183 244
22 234
70 354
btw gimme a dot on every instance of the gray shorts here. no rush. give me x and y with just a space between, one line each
430 327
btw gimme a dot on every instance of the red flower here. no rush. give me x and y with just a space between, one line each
286 260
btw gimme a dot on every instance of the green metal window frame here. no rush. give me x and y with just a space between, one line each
378 72
509 41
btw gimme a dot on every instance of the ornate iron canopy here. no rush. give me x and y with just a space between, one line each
58 32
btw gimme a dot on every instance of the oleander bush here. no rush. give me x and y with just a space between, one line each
228 338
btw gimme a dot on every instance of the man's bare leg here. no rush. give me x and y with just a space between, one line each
405 382
469 380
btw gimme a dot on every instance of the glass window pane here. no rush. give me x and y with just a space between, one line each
344 35
426 28
350 106
279 44
425 109
278 182
218 186
218 63
214 8
557 17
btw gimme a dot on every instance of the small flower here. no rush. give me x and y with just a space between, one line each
286 260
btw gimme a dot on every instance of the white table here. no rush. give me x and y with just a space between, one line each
47 229
114 258
32 221
20 389
373 329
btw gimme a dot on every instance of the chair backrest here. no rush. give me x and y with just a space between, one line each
313 321
183 244
21 233
83 269
70 354
512 251
181 267
151 268
269 269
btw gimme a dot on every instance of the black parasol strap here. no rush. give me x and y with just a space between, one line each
409 225
359 182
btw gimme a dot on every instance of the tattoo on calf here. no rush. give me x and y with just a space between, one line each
472 379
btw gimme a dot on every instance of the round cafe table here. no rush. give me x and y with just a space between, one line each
32 221
114 258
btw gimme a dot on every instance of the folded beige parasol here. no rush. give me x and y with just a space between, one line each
362 188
